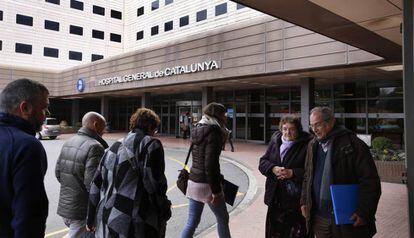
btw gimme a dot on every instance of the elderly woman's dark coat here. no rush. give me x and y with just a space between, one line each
283 196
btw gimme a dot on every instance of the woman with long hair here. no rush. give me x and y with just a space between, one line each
205 181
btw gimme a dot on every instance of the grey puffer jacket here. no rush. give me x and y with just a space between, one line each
76 165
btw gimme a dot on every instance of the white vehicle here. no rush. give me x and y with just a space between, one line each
50 128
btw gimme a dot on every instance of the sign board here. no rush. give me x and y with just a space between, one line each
170 71
230 112
80 85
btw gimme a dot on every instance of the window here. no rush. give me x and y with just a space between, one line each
168 26
52 25
1 15
221 9
116 14
95 57
184 21
168 2
23 48
76 30
76 5
140 11
201 15
53 1
51 52
98 34
115 37
74 55
240 6
24 20
140 35
155 5
154 30
98 10
1 45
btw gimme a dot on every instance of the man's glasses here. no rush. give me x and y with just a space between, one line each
317 125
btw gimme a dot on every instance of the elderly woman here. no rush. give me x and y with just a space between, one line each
283 166
205 181
128 192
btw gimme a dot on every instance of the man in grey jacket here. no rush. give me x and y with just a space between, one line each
76 165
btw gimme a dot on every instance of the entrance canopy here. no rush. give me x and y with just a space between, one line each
371 25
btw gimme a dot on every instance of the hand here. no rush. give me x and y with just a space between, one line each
303 210
217 198
359 221
285 174
90 228
276 170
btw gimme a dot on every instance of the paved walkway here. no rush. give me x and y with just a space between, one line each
392 214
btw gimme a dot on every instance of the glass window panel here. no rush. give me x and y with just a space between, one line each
240 108
350 106
184 21
256 128
168 26
278 108
155 5
116 14
295 107
98 10
322 92
256 95
23 48
52 25
221 9
201 15
140 11
295 93
24 20
240 127
357 125
51 52
241 96
390 128
350 90
115 37
386 106
255 108
277 94
95 57
223 97
390 88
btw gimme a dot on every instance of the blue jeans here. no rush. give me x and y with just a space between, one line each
194 215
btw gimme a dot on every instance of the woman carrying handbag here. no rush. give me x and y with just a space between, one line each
205 179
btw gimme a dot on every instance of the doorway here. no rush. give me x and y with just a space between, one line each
188 114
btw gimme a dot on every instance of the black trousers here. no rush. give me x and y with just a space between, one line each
283 223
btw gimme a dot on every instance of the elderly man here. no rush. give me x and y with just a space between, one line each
23 163
76 165
337 156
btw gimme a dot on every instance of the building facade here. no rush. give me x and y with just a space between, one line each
176 56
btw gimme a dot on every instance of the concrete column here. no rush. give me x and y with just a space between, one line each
146 100
104 107
75 111
207 96
307 100
408 61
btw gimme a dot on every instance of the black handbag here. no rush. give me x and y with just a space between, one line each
182 180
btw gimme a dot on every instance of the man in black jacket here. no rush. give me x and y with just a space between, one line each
23 163
337 156
76 165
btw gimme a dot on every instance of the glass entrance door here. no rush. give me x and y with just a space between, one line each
188 114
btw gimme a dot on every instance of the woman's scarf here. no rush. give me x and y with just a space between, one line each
206 119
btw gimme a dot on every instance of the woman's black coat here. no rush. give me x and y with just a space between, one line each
294 159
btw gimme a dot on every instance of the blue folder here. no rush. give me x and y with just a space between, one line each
344 200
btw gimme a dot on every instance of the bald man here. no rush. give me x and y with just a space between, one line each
76 165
